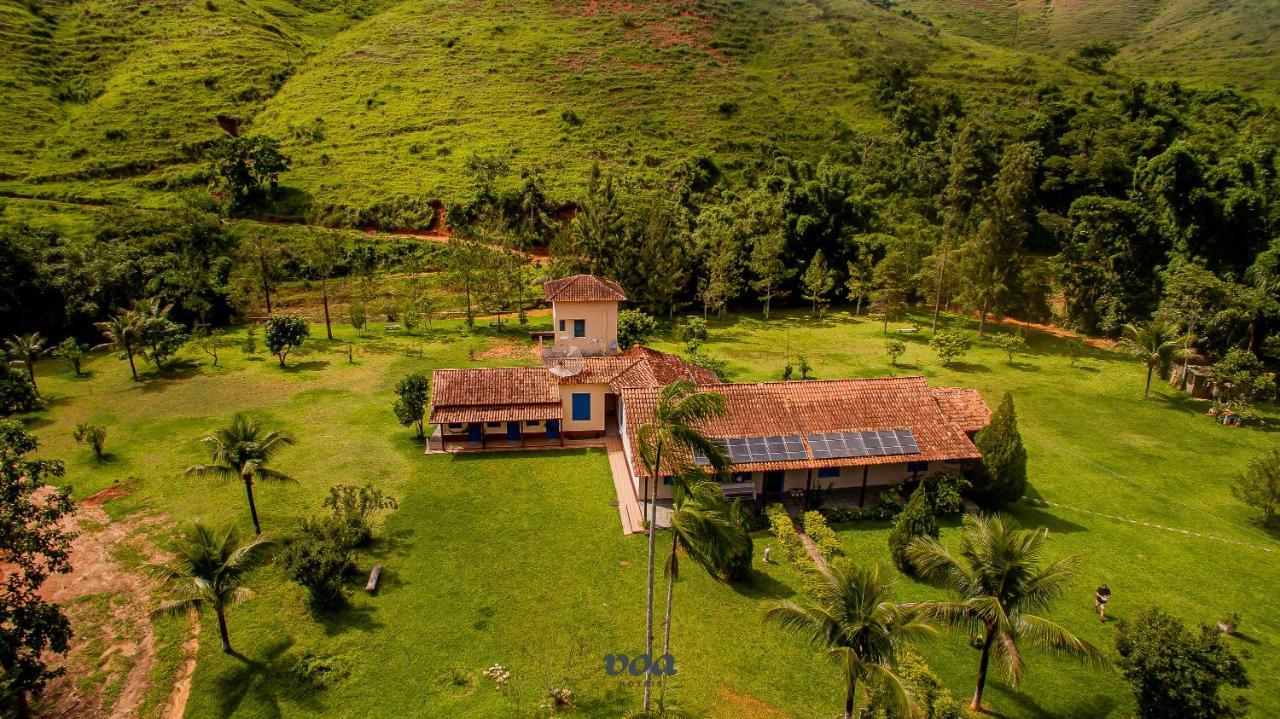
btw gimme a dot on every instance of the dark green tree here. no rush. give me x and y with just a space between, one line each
915 520
1178 673
72 352
246 170
34 543
635 328
16 392
25 350
319 562
283 333
412 395
1002 476
1259 486
818 281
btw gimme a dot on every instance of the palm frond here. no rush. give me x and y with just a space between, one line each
902 704
1058 639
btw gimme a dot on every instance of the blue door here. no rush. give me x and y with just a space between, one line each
581 406
553 429
513 431
475 432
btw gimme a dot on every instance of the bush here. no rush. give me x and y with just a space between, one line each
635 328
781 526
318 561
1002 476
95 435
246 170
1177 673
1011 345
352 506
283 333
17 394
922 685
946 494
815 525
72 352
895 348
356 315
951 345
693 332
916 520
412 394
739 566
251 339
715 364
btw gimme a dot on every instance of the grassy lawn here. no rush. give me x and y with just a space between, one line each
518 559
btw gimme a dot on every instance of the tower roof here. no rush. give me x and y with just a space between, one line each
583 288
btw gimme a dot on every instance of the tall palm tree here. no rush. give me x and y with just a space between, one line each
702 527
27 348
1153 344
672 430
243 449
122 334
999 582
849 616
207 570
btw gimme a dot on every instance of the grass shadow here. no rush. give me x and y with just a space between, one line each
613 703
1085 706
970 367
350 617
307 366
762 585
264 681
1030 516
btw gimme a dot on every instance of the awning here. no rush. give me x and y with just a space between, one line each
496 413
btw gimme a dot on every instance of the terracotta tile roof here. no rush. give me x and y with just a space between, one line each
639 367
965 407
583 288
480 392
812 406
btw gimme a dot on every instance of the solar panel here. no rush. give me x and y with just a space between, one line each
836 445
772 448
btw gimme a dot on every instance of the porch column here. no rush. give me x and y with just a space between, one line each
862 500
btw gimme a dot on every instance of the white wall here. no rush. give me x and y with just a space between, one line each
601 325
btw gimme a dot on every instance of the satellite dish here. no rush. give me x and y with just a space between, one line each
563 360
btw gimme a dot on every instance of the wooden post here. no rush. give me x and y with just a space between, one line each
862 500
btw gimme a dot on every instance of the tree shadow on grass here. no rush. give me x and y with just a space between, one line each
1023 366
307 366
1085 706
1036 517
762 586
613 703
263 680
340 621
388 544
969 367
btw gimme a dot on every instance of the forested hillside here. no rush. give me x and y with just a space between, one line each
710 154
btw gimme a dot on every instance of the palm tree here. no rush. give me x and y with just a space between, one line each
243 449
121 334
1153 344
702 527
999 582
207 571
849 616
671 429
27 348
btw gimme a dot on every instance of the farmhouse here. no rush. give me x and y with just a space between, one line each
782 437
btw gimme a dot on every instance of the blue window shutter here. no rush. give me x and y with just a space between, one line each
581 406
579 328
828 472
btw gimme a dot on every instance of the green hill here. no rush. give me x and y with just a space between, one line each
375 103
1204 42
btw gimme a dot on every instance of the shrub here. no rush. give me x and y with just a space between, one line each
570 118
781 526
352 506
246 170
283 333
1075 349
739 566
922 684
1002 475
916 520
356 315
715 364
412 394
94 435
72 352
693 332
815 525
635 328
946 494
802 364
251 339
950 345
895 348
1177 673
1240 379
1259 486
318 671
318 561
1011 345
17 394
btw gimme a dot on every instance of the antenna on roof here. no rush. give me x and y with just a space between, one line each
563 360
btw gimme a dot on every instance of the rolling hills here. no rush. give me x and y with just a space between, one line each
381 102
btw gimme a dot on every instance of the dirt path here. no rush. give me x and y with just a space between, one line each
114 644
177 704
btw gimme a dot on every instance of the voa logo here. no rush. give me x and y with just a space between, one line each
616 664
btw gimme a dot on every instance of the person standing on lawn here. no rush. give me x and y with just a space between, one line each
1100 597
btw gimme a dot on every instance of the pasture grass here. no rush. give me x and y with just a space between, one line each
518 558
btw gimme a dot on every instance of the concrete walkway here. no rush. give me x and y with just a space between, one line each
628 507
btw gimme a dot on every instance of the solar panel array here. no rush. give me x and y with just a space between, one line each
834 445
774 448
